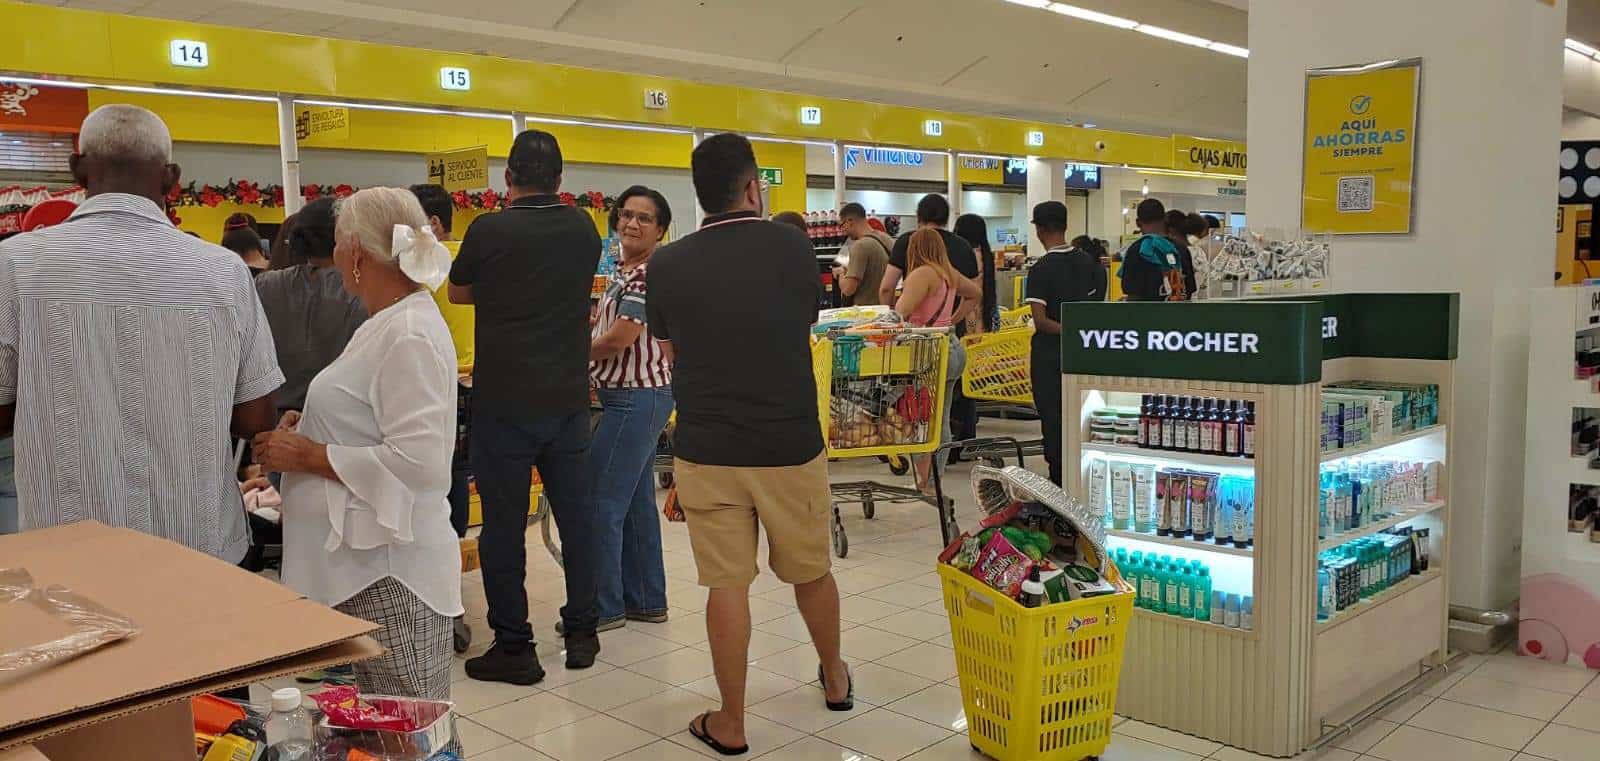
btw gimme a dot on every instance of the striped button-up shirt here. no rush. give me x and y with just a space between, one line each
641 364
124 344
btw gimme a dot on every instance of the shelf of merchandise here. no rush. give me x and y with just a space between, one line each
1152 618
1396 519
1357 451
1272 689
1196 459
1178 541
1378 600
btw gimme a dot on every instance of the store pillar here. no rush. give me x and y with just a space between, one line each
1487 130
952 176
289 152
838 175
695 138
519 123
1047 181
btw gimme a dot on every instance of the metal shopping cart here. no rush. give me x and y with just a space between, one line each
881 393
998 373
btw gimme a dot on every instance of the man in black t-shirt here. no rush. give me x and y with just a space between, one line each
1065 273
748 446
933 211
528 270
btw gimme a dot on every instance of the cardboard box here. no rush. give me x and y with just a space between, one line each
205 626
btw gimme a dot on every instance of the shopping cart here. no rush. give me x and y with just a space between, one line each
1037 683
998 374
880 393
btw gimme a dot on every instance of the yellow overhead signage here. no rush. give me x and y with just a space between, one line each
316 125
1200 154
465 169
1360 148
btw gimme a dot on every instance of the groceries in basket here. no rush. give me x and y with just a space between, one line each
1032 554
381 727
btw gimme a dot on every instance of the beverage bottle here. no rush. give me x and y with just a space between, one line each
1202 591
1185 591
1032 590
1169 423
1214 419
1144 421
1133 574
288 727
1169 586
1230 429
1248 430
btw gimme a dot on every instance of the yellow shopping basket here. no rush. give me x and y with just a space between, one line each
998 367
1038 684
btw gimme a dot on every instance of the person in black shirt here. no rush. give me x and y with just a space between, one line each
748 445
1150 270
528 270
1065 273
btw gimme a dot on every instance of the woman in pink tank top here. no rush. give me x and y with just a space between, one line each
928 299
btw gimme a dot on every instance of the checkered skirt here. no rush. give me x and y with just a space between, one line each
416 638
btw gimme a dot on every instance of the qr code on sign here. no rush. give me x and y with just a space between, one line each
1355 193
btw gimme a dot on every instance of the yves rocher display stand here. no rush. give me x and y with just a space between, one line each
1290 680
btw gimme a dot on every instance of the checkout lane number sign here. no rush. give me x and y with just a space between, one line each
189 54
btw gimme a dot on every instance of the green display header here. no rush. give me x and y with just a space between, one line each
1272 341
1258 342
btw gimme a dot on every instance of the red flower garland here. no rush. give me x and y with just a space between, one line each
248 193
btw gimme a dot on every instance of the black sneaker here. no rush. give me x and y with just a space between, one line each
581 650
512 664
605 625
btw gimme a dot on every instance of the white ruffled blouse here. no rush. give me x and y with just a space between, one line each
386 408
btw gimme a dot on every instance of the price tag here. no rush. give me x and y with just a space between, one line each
453 78
1035 138
810 115
933 128
655 100
1257 287
190 54
1316 284
1289 285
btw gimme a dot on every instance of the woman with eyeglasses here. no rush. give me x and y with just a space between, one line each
633 379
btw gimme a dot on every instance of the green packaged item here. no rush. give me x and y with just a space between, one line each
1081 582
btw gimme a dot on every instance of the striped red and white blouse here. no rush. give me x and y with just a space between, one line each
643 364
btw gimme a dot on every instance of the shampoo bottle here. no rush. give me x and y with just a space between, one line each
1202 591
1185 591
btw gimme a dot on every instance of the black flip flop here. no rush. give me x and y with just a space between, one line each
849 702
703 734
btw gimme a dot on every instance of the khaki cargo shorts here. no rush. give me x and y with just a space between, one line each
723 506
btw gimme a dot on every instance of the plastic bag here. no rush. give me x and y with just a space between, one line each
92 624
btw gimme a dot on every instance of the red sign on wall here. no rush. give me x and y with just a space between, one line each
32 108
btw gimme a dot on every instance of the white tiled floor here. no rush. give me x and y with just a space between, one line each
653 678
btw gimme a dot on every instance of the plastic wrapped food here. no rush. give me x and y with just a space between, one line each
83 624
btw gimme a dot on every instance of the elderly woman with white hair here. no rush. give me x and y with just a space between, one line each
366 527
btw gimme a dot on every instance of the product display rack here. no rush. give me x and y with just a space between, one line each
1559 606
1279 686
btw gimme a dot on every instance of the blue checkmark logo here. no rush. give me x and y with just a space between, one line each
1360 104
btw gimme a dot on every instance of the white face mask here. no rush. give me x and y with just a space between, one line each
1194 240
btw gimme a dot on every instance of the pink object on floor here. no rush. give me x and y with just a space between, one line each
1559 619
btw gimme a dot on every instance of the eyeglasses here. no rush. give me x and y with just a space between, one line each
642 217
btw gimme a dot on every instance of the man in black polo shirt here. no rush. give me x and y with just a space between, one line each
528 270
1064 273
748 444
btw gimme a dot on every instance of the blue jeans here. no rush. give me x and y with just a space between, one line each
8 488
628 574
503 452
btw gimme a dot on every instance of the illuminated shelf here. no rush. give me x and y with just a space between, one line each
1167 455
1376 601
1178 541
1373 528
1420 433
1205 626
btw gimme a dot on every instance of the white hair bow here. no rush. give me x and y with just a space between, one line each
422 257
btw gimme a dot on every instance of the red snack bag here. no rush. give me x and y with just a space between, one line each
1002 566
1000 517
344 708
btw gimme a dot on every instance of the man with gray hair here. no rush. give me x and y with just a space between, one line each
128 353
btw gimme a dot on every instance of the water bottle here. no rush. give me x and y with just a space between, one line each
289 726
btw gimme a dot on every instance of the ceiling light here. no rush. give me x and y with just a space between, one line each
1233 50
1579 47
48 82
1031 3
1146 189
194 93
1095 16
1168 34
1087 125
